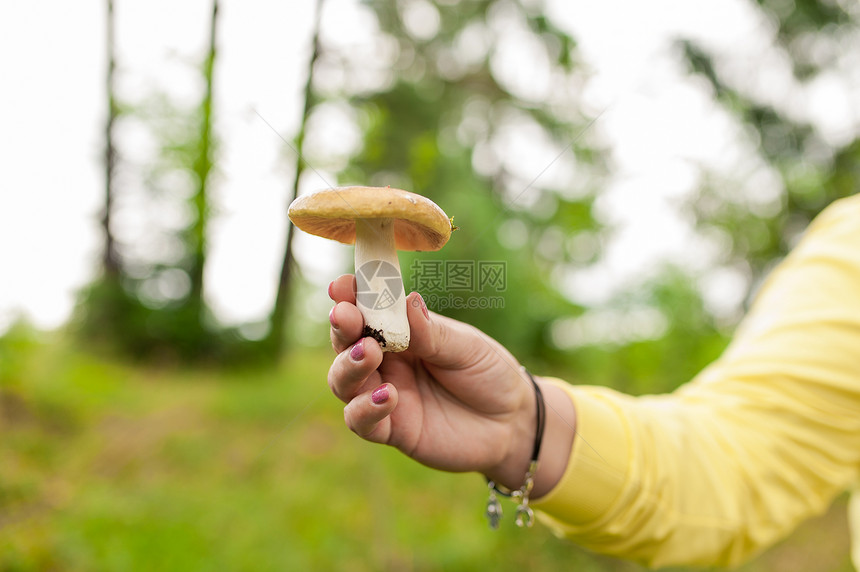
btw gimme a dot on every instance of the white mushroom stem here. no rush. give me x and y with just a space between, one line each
380 296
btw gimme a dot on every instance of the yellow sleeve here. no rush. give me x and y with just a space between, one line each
762 439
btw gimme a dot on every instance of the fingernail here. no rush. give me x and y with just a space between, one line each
330 288
357 351
424 309
332 320
380 394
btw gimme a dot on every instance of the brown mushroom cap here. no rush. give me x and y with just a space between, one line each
419 224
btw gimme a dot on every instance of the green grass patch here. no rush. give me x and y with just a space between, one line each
111 466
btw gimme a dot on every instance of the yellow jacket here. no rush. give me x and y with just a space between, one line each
762 439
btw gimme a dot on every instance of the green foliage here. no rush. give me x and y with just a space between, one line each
119 465
424 131
690 340
797 20
812 172
109 466
151 306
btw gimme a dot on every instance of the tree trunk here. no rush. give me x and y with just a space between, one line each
279 313
202 168
110 261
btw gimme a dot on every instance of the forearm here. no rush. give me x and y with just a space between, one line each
558 440
706 477
763 439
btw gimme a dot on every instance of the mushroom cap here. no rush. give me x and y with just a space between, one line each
418 223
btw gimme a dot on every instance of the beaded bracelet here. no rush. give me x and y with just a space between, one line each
525 515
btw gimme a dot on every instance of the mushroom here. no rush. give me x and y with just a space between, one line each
380 221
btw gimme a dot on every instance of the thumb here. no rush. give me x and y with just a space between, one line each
446 342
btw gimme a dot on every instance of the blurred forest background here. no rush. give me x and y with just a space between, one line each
146 435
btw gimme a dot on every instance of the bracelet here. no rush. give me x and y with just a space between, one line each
525 515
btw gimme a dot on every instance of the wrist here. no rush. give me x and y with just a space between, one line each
561 429
558 439
519 440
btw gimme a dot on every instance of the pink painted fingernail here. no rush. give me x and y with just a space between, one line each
330 288
332 320
380 394
357 351
424 307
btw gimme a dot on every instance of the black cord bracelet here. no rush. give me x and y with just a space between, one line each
525 515
541 416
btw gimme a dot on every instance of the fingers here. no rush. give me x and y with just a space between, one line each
434 338
446 342
354 368
353 379
347 324
426 334
367 414
342 289
346 321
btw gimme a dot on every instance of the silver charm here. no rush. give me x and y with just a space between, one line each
494 507
525 515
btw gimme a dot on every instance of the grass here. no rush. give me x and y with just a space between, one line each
106 465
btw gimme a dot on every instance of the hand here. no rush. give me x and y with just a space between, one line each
456 400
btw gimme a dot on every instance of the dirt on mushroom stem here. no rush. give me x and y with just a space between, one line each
379 285
377 335
379 221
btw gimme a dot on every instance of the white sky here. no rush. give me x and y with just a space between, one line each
52 112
